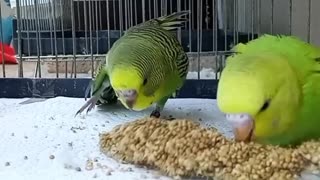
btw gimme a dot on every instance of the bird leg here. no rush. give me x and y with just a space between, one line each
159 107
156 113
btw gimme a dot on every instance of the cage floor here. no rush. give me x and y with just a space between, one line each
41 139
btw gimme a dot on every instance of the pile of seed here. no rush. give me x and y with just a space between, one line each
184 148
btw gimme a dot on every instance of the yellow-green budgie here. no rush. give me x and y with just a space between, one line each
270 90
144 66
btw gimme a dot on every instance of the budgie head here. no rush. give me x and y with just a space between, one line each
135 78
259 94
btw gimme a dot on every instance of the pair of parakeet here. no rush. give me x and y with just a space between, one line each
269 89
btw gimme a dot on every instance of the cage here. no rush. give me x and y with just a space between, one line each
60 43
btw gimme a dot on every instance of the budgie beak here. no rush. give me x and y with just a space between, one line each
128 96
243 126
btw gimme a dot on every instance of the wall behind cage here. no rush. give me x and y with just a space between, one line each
296 17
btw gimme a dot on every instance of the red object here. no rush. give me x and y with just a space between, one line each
9 54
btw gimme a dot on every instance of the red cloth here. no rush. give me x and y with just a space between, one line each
9 54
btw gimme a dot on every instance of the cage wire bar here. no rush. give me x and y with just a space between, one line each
69 38
2 54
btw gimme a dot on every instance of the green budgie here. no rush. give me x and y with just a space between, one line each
270 91
144 66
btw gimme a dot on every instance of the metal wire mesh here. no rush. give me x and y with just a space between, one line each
68 38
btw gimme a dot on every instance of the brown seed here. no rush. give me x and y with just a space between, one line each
181 148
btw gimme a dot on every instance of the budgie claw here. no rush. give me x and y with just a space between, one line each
170 118
90 104
155 114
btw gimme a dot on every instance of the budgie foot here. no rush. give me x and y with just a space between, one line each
90 104
159 107
155 113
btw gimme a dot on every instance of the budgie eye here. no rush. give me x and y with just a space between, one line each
265 105
145 81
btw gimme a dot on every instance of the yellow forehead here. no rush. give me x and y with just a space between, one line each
238 94
125 78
